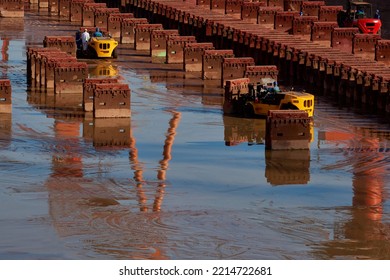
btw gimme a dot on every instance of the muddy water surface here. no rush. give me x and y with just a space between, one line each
180 181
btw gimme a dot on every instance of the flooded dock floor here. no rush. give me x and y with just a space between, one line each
186 181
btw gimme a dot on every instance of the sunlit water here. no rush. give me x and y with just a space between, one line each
189 183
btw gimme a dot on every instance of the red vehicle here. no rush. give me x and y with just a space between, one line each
359 14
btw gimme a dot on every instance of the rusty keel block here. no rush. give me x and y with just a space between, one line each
50 62
250 10
142 35
255 73
5 96
232 91
111 101
342 38
287 130
266 15
363 45
115 23
382 51
175 48
284 21
237 86
89 86
218 5
12 8
89 13
64 8
76 9
233 7
193 56
234 67
69 77
53 7
158 41
66 44
212 63
292 5
322 32
101 16
311 8
303 25
128 29
329 13
275 3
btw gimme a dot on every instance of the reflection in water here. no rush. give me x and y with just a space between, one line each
100 211
4 41
5 130
102 69
137 167
90 208
66 159
285 167
108 133
94 209
4 48
363 234
239 130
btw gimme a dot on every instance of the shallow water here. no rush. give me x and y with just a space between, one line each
188 182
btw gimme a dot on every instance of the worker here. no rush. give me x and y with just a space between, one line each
85 39
360 14
276 87
97 33
377 15
79 42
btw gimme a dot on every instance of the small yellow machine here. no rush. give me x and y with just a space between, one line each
98 47
267 96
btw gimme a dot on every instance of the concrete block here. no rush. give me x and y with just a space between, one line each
287 130
175 48
212 63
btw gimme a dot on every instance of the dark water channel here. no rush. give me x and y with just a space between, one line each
190 183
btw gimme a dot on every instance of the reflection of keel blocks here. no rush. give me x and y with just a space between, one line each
287 167
111 132
287 130
12 8
111 101
5 96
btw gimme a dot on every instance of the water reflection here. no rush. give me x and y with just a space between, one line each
101 69
287 167
365 234
242 130
4 48
96 210
137 167
85 206
5 130
108 133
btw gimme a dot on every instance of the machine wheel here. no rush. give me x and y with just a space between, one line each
249 111
115 53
